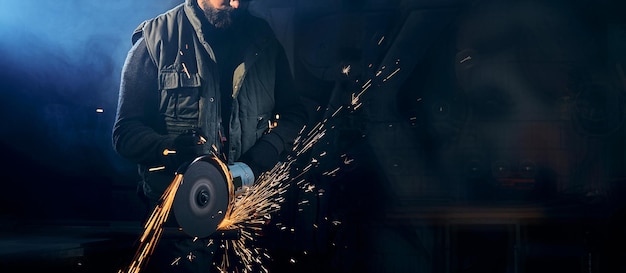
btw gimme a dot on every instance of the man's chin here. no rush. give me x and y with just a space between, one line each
221 18
223 24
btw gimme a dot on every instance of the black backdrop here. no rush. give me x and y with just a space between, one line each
446 133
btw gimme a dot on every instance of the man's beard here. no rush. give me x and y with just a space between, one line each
221 18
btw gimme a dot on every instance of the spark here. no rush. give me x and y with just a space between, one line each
368 82
191 256
392 74
167 152
331 173
153 228
468 58
337 111
158 168
186 71
271 125
346 70
355 100
347 161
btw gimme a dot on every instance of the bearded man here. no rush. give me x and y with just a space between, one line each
203 77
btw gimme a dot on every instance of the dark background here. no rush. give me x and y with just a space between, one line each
498 145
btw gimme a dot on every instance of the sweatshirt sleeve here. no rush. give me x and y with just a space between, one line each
135 135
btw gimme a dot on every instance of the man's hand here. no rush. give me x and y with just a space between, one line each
186 147
261 157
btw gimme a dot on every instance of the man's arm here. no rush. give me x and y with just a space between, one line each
294 113
134 132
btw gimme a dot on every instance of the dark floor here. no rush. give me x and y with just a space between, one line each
474 240
88 247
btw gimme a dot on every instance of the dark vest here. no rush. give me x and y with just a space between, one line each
189 82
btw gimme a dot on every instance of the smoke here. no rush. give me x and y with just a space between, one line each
60 64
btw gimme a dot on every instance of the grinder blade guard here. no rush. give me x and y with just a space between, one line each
204 197
207 192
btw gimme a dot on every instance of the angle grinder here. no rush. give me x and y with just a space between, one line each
207 192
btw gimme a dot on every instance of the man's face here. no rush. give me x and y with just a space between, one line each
220 13
219 4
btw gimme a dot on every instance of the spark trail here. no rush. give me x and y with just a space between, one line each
251 210
153 228
254 208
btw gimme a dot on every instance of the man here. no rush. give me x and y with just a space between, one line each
206 76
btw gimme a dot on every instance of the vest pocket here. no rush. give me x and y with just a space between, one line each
180 94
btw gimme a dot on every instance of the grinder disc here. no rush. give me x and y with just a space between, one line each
201 201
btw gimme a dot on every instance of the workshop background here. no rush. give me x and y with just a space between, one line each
472 136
